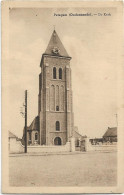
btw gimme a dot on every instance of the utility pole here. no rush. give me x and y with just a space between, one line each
25 121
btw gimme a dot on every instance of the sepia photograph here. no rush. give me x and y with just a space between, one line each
62 97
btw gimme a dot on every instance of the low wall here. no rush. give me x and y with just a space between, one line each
15 146
50 149
103 148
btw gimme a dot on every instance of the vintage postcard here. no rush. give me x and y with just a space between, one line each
62 97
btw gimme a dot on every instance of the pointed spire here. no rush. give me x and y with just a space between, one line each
55 46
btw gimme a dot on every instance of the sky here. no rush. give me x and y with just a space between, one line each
89 40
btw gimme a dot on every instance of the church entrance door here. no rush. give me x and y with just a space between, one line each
57 141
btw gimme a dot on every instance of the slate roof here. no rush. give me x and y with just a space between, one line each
111 132
35 124
55 42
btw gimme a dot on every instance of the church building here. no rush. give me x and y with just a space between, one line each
54 124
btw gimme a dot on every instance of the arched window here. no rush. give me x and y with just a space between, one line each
36 136
54 73
57 108
60 73
57 141
57 126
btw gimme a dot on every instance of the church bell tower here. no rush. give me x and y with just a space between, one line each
55 95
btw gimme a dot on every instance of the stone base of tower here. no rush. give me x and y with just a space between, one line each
53 138
53 128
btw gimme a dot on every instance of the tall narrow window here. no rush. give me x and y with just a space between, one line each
62 97
36 136
60 73
54 73
57 97
57 126
52 98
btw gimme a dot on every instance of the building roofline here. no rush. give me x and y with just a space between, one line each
12 135
79 133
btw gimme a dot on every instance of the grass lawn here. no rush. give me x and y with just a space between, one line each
84 169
